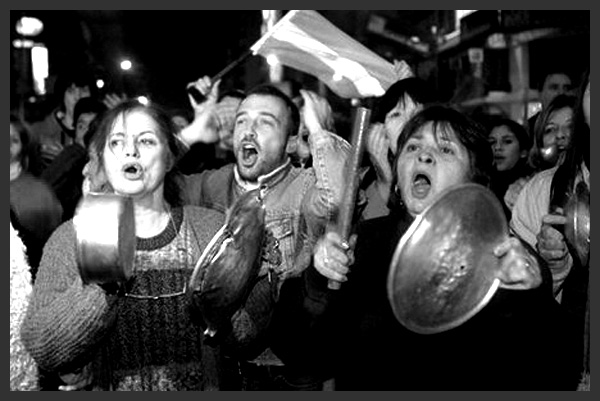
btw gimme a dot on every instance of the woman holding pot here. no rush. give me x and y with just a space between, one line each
137 335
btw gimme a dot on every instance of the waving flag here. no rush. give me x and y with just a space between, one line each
306 41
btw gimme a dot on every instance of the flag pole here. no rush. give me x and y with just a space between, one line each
346 213
199 97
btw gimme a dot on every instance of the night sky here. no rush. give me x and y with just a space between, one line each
168 48
171 48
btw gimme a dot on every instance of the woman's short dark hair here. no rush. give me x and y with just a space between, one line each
559 102
166 127
468 132
294 113
415 88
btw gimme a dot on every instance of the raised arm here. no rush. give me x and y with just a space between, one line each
330 153
204 127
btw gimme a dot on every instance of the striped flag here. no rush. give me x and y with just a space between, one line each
306 41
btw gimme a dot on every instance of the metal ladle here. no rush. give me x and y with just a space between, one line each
550 153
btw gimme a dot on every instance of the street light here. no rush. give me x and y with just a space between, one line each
33 63
126 65
29 26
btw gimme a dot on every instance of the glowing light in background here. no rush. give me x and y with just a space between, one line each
126 65
272 60
39 64
29 26
23 43
143 100
99 83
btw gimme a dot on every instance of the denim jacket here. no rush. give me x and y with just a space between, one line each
299 201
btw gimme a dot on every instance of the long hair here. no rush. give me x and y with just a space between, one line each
522 136
166 127
563 183
468 132
536 159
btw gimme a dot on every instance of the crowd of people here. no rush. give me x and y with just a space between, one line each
185 170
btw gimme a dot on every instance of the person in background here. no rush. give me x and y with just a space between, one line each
65 173
552 133
136 335
227 106
57 129
181 118
298 202
35 209
401 101
353 333
539 217
553 83
510 146
23 369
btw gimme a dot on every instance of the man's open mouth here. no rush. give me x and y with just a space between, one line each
249 154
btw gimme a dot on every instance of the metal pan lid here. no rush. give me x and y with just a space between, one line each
443 270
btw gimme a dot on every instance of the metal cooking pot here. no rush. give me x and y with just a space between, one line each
105 231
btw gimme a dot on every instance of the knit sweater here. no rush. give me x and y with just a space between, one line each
126 343
23 370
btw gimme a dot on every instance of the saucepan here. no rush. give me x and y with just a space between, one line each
105 230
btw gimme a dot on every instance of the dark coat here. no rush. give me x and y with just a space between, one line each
519 341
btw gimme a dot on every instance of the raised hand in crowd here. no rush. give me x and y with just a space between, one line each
205 127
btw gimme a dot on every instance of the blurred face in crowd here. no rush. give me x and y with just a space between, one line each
430 162
180 122
559 129
554 85
226 111
260 135
397 117
16 146
73 94
136 155
82 126
506 148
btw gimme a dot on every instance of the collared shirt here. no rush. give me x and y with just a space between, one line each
249 186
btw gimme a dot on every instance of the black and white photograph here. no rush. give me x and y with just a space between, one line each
299 200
